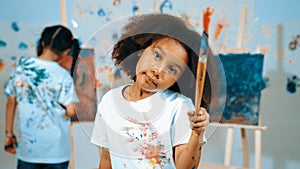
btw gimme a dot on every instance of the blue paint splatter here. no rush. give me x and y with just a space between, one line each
166 6
86 53
117 73
115 36
15 26
2 44
13 58
101 12
23 46
135 9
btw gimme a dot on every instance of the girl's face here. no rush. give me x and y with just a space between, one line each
160 65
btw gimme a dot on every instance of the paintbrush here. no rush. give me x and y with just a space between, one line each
201 72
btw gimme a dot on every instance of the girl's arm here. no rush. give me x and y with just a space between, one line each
10 139
105 162
187 156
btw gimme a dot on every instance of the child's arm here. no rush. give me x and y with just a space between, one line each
187 156
105 162
10 139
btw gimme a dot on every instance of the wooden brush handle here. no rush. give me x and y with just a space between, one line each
200 78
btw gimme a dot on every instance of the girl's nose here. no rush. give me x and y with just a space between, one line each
155 73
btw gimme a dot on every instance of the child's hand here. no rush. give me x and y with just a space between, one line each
199 121
10 144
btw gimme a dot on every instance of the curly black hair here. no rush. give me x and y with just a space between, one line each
142 30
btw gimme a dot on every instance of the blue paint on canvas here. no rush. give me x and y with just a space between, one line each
244 85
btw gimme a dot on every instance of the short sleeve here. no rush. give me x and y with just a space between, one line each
181 130
99 134
67 93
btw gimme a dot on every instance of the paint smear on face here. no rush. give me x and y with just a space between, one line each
207 13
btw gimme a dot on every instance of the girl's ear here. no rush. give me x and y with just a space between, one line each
43 44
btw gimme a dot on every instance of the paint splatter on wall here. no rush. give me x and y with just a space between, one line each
1 65
207 14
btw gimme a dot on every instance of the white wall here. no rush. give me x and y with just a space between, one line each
280 109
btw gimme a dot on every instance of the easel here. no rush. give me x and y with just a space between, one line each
230 127
229 142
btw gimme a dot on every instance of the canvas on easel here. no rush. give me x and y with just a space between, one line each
244 82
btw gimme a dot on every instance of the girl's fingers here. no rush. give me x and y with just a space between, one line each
199 117
192 116
199 121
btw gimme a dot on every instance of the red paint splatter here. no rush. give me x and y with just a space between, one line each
1 65
221 24
98 84
14 64
217 32
207 13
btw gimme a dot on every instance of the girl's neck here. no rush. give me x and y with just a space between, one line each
135 92
49 55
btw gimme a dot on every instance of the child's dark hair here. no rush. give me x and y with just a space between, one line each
143 30
59 38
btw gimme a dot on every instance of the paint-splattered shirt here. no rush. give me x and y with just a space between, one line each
42 88
141 134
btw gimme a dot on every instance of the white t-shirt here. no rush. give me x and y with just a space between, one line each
141 134
40 87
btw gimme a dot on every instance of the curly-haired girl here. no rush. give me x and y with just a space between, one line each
152 122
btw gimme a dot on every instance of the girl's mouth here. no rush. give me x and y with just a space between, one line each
151 80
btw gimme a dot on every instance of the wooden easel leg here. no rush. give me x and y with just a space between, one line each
245 148
258 148
72 160
228 148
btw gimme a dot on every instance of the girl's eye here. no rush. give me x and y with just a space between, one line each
172 70
156 55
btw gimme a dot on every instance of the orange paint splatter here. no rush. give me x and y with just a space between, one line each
14 64
197 23
290 61
98 84
1 65
265 30
207 13
217 32
221 24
